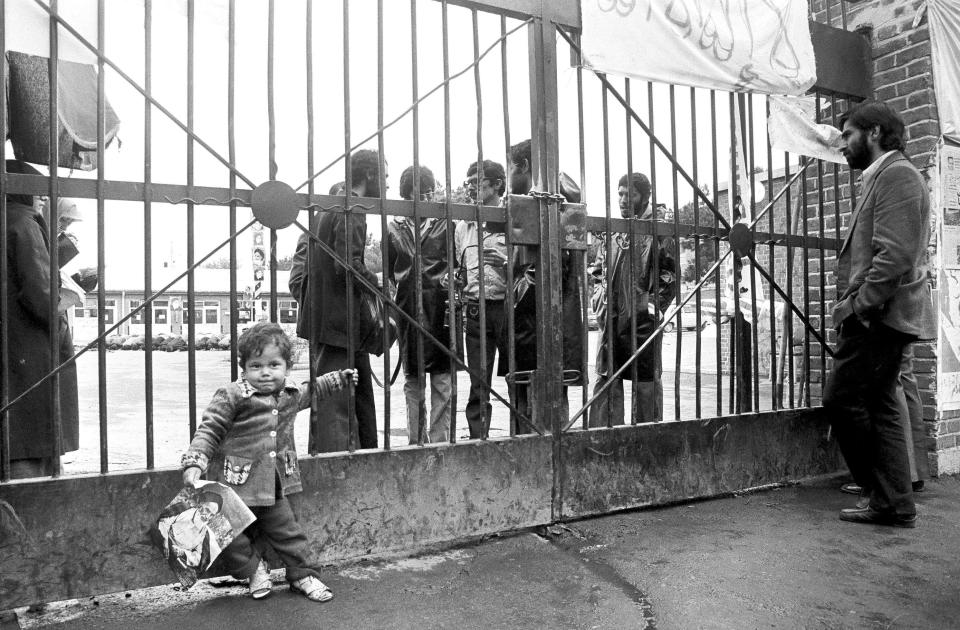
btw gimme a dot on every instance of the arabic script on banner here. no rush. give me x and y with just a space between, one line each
747 46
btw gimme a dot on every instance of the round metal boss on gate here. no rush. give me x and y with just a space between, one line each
741 239
274 204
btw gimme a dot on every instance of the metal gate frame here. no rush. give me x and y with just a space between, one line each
544 20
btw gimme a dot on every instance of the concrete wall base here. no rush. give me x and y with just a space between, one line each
947 462
86 535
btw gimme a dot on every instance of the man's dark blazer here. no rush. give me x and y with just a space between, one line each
881 272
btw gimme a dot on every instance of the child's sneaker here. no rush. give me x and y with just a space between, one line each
312 588
260 583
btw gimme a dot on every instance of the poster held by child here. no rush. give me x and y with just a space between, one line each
246 441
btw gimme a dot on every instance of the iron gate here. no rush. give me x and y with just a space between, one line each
783 245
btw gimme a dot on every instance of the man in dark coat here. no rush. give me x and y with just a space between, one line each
325 294
28 339
884 305
639 271
403 251
525 313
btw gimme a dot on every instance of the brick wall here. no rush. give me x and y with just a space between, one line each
903 78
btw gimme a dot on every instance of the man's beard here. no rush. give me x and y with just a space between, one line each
857 157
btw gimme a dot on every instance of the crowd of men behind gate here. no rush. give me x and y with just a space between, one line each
641 277
884 305
871 397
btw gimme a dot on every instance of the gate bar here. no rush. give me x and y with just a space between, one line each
147 220
508 234
53 232
191 280
232 155
352 427
4 296
101 241
452 318
417 238
383 224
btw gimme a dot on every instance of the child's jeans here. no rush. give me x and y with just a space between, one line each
276 527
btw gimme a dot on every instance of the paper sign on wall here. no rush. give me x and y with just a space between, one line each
748 46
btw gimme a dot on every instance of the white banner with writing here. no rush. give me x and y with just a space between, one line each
758 46
945 51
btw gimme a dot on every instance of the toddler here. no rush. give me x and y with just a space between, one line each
245 440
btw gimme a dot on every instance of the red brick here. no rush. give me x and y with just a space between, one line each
923 129
917 51
910 86
920 67
946 441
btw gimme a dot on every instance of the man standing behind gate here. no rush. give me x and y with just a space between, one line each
328 310
884 305
485 188
633 281
403 250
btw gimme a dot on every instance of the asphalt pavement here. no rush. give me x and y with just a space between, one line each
779 558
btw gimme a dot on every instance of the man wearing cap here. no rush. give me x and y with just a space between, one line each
642 268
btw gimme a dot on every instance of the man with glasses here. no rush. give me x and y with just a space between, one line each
485 188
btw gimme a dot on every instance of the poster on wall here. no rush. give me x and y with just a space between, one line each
950 184
948 351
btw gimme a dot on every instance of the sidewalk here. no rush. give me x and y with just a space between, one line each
773 559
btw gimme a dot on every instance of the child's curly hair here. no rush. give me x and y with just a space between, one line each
254 339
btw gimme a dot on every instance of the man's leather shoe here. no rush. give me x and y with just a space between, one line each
851 488
918 486
872 517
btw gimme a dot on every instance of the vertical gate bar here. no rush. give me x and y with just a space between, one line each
790 225
806 290
736 376
191 280
608 258
542 37
843 14
4 295
481 284
312 218
417 232
678 272
147 218
584 278
383 226
698 298
821 271
508 239
101 238
749 137
632 238
232 153
53 232
836 178
453 318
771 262
655 238
718 297
348 223
272 150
